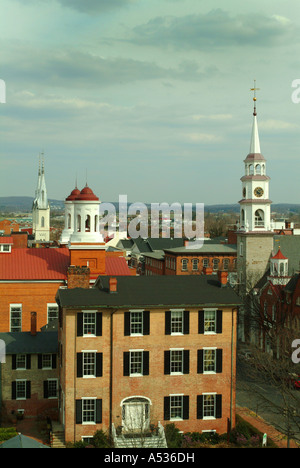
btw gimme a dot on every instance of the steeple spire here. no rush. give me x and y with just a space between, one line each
254 143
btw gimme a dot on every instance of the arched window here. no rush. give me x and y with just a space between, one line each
259 218
135 414
184 264
226 263
251 169
69 221
87 223
195 262
258 169
42 221
78 223
216 262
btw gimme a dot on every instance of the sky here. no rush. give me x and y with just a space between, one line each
148 98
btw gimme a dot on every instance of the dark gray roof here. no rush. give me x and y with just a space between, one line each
151 291
290 287
25 343
290 247
207 248
21 441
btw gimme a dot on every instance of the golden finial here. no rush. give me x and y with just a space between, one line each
254 89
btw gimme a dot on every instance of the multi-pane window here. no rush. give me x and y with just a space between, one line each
184 264
209 406
89 364
136 323
176 361
21 361
52 312
209 360
15 317
21 389
136 362
88 410
226 263
47 361
195 262
216 262
89 323
52 388
209 321
205 262
176 407
176 321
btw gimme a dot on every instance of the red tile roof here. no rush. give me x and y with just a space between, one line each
48 264
116 266
35 264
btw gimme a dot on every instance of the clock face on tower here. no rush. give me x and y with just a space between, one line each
258 192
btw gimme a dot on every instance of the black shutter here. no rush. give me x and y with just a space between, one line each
40 361
218 406
13 390
219 321
99 364
127 324
126 357
14 361
53 361
186 322
167 362
200 361
45 388
146 322
78 411
28 361
167 408
79 364
199 406
219 363
28 389
186 361
98 411
201 322
145 362
80 324
168 322
99 324
185 409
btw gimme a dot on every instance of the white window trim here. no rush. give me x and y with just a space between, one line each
215 363
177 333
92 351
89 335
177 373
210 310
207 418
10 311
137 374
89 423
23 398
53 398
140 311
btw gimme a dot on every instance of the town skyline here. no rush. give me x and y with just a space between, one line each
149 101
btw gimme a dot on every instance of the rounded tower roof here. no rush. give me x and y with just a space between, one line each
87 194
75 193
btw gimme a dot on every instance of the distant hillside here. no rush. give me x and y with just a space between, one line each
24 204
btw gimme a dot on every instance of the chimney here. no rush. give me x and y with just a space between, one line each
112 285
207 270
223 277
33 324
78 277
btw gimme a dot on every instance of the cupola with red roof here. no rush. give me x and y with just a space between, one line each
279 266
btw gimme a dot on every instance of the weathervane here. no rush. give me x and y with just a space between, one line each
254 89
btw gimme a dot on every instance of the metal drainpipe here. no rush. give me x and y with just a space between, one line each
111 372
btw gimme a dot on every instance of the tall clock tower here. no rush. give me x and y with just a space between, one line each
255 206
255 233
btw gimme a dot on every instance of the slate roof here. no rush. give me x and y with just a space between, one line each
25 343
21 441
207 248
151 291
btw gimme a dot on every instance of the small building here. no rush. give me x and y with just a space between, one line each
29 376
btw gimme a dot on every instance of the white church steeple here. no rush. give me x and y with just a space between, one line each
255 206
41 207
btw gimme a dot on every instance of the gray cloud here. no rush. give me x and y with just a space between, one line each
88 6
73 69
216 29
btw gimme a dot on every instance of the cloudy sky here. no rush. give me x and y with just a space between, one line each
148 98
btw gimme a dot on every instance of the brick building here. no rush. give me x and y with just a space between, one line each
137 351
29 377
